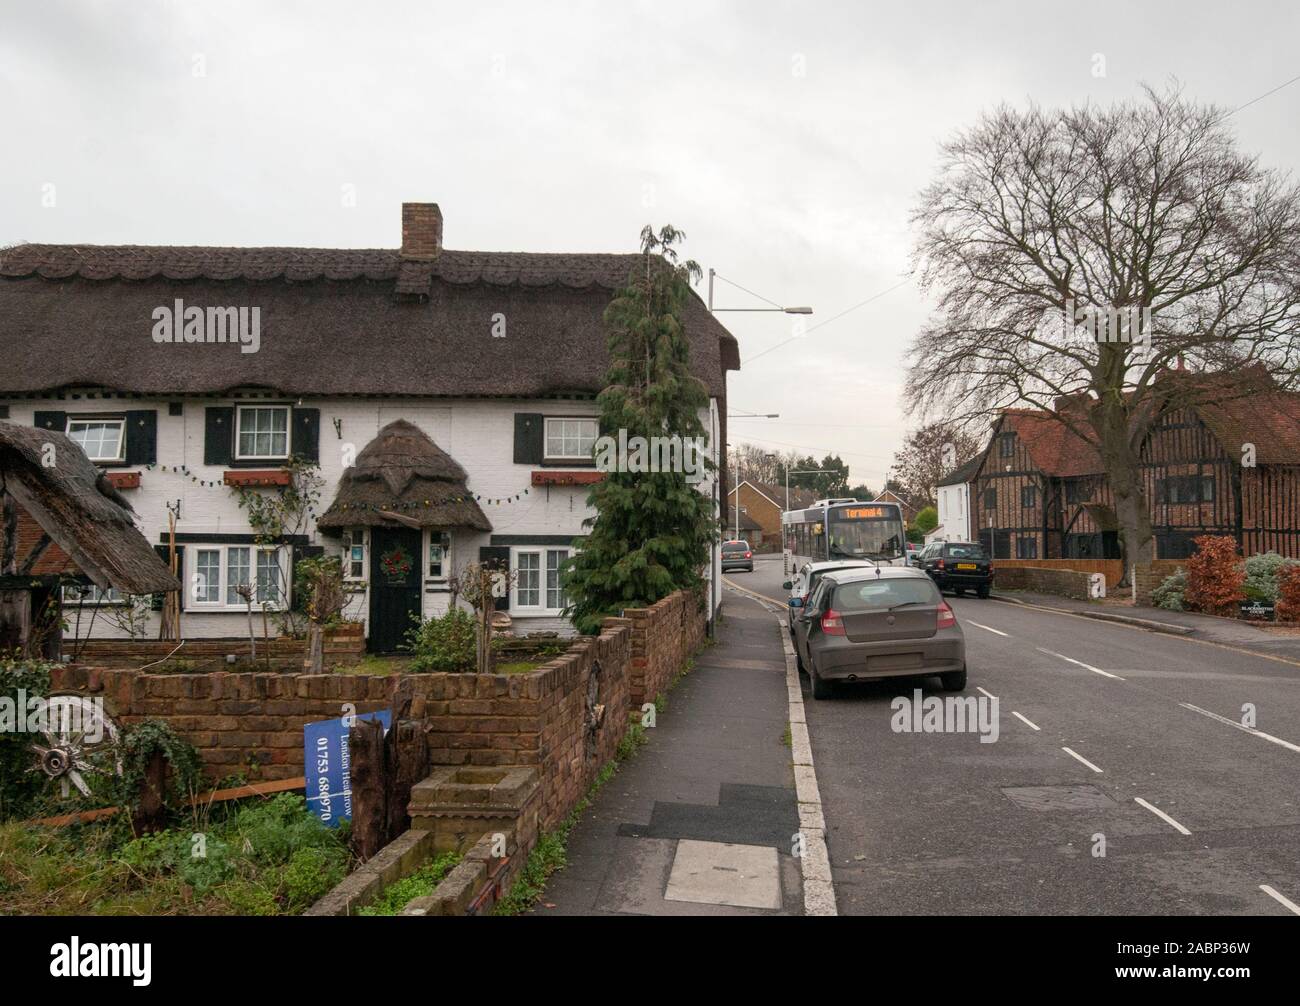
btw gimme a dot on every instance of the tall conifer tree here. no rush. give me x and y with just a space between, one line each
652 530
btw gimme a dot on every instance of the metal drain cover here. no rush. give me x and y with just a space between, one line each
1059 797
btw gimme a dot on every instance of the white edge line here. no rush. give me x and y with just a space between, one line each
1078 757
1095 670
1280 899
1032 726
815 863
1242 727
986 628
1162 815
989 694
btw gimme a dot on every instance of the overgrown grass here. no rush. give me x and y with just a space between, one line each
417 885
266 858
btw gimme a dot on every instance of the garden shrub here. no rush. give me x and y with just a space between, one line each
1288 593
20 789
1263 573
1215 576
443 644
1169 595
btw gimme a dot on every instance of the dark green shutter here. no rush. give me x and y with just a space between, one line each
529 428
142 437
218 434
498 557
162 550
305 441
56 421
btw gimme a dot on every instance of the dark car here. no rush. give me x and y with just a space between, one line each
862 625
958 566
737 554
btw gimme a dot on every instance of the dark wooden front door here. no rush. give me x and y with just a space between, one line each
394 586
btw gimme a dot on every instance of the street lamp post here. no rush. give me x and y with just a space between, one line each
775 307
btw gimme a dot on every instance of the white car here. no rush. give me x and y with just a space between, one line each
805 579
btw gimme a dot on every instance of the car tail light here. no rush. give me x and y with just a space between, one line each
749 555
947 619
832 623
940 564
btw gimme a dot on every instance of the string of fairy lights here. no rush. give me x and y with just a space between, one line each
515 497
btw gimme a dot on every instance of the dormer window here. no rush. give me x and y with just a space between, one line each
262 433
102 438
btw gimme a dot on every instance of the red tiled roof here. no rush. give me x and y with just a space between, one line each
1055 448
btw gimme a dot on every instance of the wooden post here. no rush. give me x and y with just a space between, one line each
15 603
406 760
152 812
369 808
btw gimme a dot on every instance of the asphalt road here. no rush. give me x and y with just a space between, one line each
923 823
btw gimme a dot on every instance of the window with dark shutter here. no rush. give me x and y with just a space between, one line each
141 436
306 434
218 434
529 435
497 557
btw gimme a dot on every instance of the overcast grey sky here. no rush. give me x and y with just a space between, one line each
787 140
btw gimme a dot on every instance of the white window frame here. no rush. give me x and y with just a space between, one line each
542 552
432 540
97 596
352 538
118 420
192 551
546 438
288 431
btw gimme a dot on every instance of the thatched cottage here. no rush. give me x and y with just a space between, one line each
447 398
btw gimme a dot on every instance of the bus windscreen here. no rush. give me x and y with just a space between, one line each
855 535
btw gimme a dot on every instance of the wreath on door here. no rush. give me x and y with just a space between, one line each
395 563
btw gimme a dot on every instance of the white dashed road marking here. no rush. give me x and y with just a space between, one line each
987 628
988 693
1241 726
1032 726
1095 670
1280 899
1162 815
1080 758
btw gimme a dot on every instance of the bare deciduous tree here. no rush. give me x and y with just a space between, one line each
927 455
1142 210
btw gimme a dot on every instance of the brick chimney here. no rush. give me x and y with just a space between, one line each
421 231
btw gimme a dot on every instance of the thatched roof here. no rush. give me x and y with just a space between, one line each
82 513
403 477
316 307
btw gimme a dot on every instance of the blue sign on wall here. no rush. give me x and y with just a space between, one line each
328 766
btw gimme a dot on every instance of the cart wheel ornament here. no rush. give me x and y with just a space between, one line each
79 743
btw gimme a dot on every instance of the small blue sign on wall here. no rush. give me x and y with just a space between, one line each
328 766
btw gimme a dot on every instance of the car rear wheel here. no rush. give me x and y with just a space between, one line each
959 591
821 688
954 681
985 590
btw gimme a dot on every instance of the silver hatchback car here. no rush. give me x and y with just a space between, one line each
886 622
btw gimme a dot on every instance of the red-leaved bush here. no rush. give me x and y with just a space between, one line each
1288 594
1214 576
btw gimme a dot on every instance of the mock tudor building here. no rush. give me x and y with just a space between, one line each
1231 468
445 400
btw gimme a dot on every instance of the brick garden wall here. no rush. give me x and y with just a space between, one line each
664 635
251 723
1065 582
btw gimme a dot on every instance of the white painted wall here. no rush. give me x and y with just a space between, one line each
954 513
479 434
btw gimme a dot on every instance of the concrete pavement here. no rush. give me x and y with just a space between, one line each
702 820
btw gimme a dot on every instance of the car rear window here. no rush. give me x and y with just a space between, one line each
736 547
965 552
866 595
